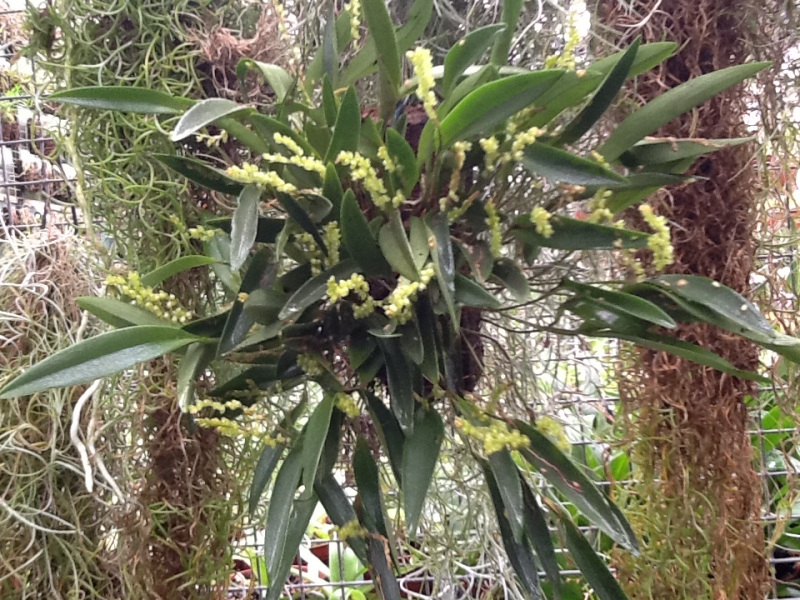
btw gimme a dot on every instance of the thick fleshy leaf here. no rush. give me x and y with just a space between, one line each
204 113
506 477
198 356
267 127
317 67
570 90
347 131
659 152
278 79
244 226
590 564
381 571
200 173
266 232
597 317
389 432
315 289
647 57
179 265
262 377
466 53
97 357
510 18
358 240
118 313
622 302
411 341
316 433
123 99
519 552
568 479
673 103
493 103
418 238
301 217
420 456
480 259
302 512
401 388
473 81
317 207
602 99
574 234
405 160
280 510
512 277
396 248
470 293
564 167
538 533
339 510
330 105
381 30
444 262
430 333
332 189
369 488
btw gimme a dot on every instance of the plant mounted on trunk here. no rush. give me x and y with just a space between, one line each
364 252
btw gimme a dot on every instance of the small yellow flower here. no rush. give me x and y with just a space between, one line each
354 8
541 219
491 148
362 170
660 242
423 69
493 222
347 404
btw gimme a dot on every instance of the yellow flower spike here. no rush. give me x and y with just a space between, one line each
491 148
541 219
285 140
362 170
422 62
660 242
493 222
354 8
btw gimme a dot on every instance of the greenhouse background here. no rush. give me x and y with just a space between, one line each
104 490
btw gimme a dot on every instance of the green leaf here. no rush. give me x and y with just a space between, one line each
123 99
381 571
316 434
411 341
396 248
538 533
470 293
622 302
266 232
244 226
118 313
339 510
574 234
315 289
262 376
330 105
97 357
358 239
280 509
260 274
381 30
389 432
590 564
444 262
671 104
519 552
200 173
491 104
329 52
465 53
418 239
510 18
278 79
568 479
404 159
204 113
647 57
267 462
267 127
317 68
179 265
429 332
198 356
298 214
602 99
659 152
302 512
472 82
420 455
347 131
564 167
479 258
512 277
506 477
369 488
401 389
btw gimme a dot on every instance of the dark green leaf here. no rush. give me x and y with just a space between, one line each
480 259
206 112
512 277
418 239
339 510
316 434
369 488
510 18
444 262
404 159
570 90
420 455
317 67
298 524
266 232
97 357
280 509
564 167
493 103
124 99
474 81
244 226
278 79
539 536
267 127
647 57
659 152
590 564
622 302
470 293
330 105
396 248
119 313
467 52
198 356
381 570
429 332
330 52
568 479
574 234
602 98
671 104
261 377
411 341
179 265
200 173
315 289
389 431
507 478
381 30
358 239
301 217
332 189
347 131
401 392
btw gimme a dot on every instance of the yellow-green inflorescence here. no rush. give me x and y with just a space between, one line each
493 222
491 149
660 242
354 8
310 364
313 253
347 404
554 431
423 70
161 304
250 173
358 286
460 150
297 158
400 302
361 169
541 220
254 424
494 436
